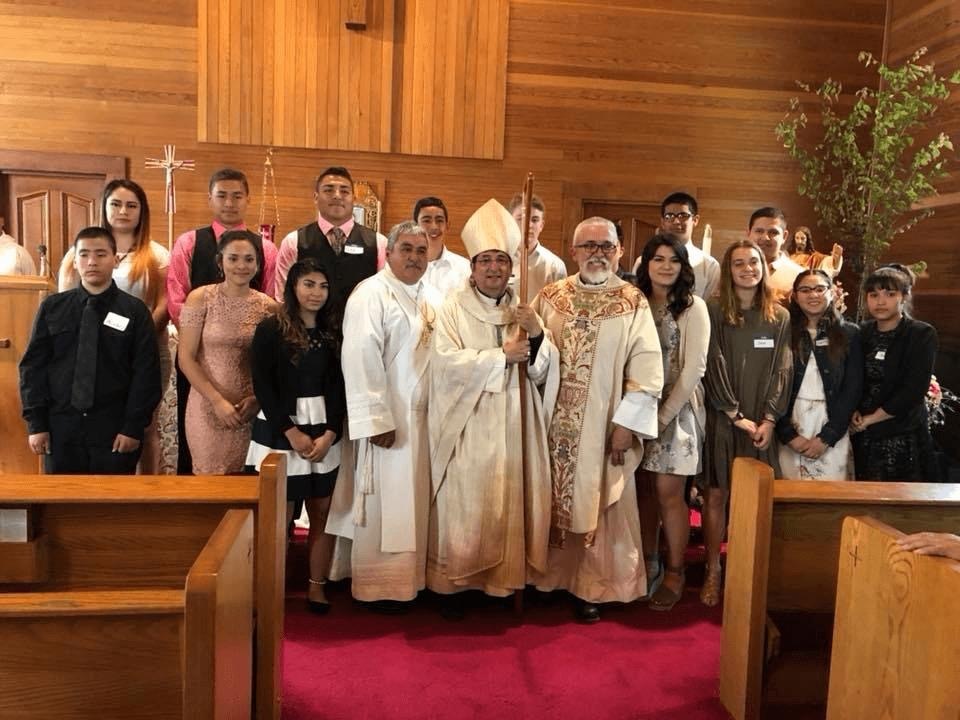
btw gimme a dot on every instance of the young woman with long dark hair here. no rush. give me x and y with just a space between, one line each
299 385
891 438
217 323
666 278
826 388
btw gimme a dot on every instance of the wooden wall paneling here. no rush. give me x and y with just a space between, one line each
595 93
312 99
454 78
935 24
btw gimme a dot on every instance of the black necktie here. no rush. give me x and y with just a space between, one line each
85 369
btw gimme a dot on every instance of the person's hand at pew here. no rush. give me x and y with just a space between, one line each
932 543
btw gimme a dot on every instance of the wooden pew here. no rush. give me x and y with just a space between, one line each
896 638
782 558
144 532
142 653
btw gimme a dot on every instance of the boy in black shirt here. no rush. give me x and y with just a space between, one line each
90 377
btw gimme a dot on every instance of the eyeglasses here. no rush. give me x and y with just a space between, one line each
681 216
812 290
607 248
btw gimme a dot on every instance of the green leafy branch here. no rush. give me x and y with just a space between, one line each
866 169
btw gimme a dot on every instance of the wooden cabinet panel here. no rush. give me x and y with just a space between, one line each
424 77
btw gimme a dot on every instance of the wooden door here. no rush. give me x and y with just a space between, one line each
639 220
49 210
47 197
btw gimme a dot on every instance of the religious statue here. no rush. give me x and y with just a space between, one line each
801 250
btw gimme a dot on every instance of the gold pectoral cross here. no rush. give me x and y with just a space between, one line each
427 317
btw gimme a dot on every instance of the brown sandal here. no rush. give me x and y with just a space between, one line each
664 598
712 587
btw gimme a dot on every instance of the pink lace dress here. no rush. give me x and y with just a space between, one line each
227 326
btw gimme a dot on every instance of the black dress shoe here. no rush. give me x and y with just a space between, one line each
587 612
318 607
388 607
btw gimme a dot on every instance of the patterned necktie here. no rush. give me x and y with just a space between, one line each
337 238
85 368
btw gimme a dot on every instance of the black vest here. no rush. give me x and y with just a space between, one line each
350 266
203 266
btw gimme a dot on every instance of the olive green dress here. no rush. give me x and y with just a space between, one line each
750 369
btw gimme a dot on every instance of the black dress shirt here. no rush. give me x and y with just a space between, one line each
127 387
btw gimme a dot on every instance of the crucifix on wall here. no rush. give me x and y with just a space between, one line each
169 164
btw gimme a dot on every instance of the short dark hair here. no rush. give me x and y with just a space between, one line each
95 231
535 202
767 212
229 174
679 198
429 201
333 170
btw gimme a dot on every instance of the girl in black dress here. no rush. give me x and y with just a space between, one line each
299 385
892 440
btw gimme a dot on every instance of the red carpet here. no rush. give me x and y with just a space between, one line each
635 663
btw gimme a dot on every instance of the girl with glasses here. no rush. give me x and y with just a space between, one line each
827 382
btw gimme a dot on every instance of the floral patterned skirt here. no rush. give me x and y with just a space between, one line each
678 449
836 463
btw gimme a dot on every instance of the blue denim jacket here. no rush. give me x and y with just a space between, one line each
842 385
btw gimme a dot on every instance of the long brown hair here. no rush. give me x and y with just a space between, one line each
143 263
763 298
292 329
832 322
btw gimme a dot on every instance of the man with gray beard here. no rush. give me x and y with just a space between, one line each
611 375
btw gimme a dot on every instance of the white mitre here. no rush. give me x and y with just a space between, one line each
491 228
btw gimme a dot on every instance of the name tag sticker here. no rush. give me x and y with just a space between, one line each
763 343
881 355
117 322
353 249
823 342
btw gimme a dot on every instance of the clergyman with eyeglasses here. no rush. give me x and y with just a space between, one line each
611 376
489 521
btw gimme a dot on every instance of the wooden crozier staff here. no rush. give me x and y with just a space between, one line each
524 289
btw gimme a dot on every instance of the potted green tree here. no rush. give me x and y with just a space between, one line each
865 167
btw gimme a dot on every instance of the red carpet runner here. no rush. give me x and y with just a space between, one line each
635 663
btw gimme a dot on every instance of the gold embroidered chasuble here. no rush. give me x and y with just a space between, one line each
610 371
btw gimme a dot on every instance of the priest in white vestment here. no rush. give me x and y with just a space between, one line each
382 505
611 376
489 523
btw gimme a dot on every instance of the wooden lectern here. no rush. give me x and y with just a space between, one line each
19 299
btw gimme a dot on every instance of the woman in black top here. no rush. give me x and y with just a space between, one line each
827 384
299 385
892 440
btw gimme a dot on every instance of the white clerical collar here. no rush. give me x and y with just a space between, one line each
413 291
491 302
